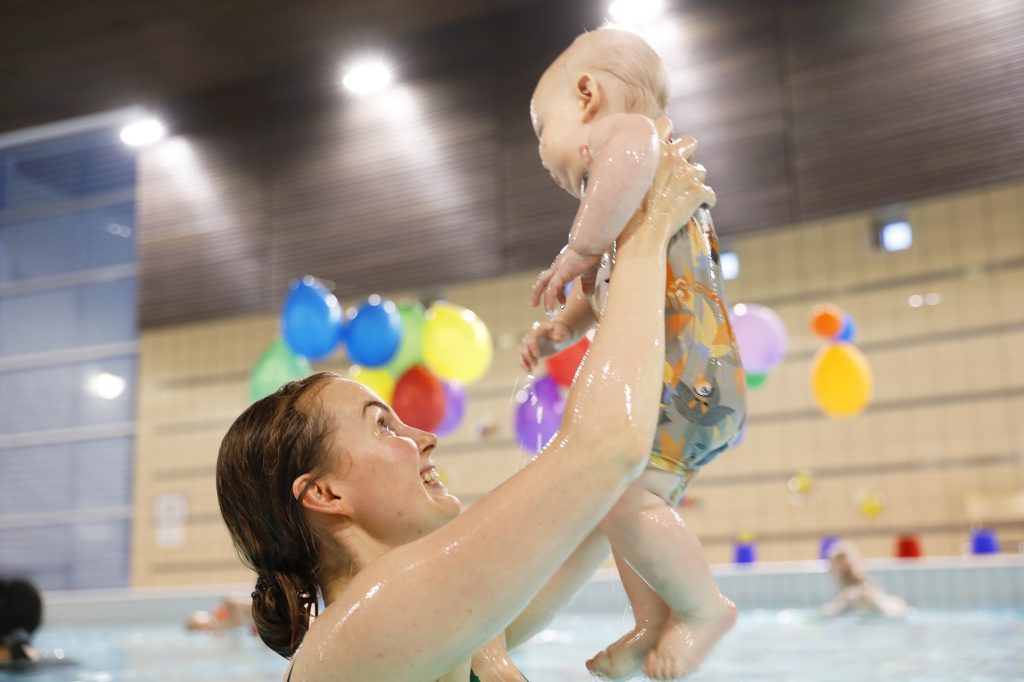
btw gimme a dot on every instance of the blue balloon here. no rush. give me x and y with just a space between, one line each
374 333
311 319
849 330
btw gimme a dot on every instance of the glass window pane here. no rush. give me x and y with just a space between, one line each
65 557
67 243
66 169
66 477
65 396
68 318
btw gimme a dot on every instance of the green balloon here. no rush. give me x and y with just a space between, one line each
276 367
410 352
756 380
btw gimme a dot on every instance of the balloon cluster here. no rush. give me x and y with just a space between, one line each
539 406
841 378
761 338
417 359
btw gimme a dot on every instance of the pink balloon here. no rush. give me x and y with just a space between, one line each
760 335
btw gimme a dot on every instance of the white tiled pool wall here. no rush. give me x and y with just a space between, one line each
986 582
982 582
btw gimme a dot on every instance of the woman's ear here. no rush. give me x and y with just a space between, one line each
320 495
589 95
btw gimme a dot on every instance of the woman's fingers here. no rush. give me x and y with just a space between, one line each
663 124
684 147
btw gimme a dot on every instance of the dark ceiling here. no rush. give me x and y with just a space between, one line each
64 58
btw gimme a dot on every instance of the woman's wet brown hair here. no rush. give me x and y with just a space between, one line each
276 440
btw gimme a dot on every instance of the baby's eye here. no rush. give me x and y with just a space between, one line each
384 426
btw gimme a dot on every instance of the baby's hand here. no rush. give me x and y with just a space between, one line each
540 342
567 266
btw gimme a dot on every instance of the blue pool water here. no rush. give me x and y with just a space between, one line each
765 646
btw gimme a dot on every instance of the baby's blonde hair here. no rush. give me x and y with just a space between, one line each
626 57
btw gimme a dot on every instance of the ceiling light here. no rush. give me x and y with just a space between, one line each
933 299
730 263
144 132
635 11
368 76
107 386
896 236
915 301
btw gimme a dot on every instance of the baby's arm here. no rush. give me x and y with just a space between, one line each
564 329
623 151
624 157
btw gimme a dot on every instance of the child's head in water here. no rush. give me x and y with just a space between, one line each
21 613
845 564
608 71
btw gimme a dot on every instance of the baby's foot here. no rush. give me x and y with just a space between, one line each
622 659
682 645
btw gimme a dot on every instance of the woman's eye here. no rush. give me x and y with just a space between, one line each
384 426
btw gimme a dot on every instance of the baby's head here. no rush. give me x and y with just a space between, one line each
608 71
846 564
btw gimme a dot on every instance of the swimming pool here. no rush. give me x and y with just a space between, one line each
765 646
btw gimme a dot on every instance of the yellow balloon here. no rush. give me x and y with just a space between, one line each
802 482
872 505
841 380
377 380
456 343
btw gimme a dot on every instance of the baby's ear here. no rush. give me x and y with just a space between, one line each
589 95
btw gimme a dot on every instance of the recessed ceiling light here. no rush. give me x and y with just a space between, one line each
915 301
635 11
144 132
367 76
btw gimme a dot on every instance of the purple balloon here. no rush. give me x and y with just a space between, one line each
454 408
760 335
539 414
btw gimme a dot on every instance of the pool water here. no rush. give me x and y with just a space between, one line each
765 646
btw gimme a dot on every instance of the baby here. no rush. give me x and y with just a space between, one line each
593 111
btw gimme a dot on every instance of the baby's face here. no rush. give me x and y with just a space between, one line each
558 122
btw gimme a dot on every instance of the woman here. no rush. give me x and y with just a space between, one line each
325 491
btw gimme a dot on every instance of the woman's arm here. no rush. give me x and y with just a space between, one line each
424 608
565 583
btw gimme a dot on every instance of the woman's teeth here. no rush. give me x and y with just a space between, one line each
430 476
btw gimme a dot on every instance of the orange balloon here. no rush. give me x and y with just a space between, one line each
826 320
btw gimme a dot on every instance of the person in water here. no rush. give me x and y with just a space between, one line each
857 592
21 614
327 494
593 112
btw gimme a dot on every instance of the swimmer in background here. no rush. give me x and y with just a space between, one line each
593 111
232 612
856 591
21 614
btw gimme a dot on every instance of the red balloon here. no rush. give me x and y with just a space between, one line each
563 365
419 399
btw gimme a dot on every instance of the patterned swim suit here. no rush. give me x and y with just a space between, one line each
703 400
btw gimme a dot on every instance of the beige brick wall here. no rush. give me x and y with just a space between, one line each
947 418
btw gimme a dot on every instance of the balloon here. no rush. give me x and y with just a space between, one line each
562 365
454 407
826 320
410 351
841 380
849 330
419 399
374 332
539 414
377 380
871 504
276 367
456 343
802 482
760 335
756 380
311 319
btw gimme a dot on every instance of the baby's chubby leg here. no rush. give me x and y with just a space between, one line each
653 539
625 657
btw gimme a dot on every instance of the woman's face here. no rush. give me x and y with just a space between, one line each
384 467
